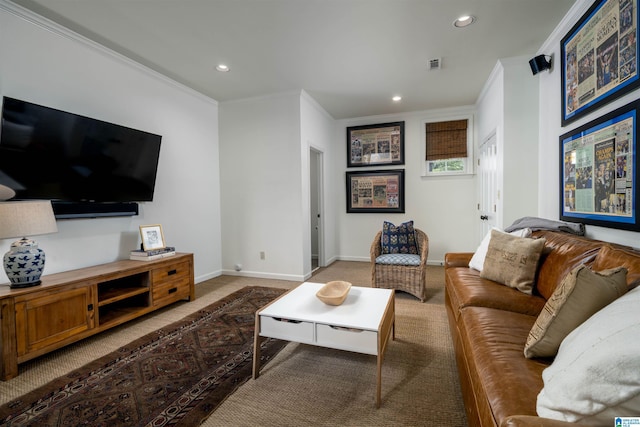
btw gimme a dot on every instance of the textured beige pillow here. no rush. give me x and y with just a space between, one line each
477 260
512 260
581 294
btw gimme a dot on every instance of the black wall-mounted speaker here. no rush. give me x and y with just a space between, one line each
540 63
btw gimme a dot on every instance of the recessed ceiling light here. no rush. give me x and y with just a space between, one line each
396 98
464 21
222 68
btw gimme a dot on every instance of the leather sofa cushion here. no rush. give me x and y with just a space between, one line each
563 252
610 257
493 342
457 259
466 288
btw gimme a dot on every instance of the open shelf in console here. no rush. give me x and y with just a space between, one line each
123 296
118 310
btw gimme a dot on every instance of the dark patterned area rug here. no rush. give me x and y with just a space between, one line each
175 376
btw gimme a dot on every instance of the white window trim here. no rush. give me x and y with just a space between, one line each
469 165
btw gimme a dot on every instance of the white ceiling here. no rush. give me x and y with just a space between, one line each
351 56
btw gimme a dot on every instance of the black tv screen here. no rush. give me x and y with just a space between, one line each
50 154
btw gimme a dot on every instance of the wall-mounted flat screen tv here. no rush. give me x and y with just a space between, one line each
50 154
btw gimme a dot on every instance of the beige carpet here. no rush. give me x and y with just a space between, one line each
307 385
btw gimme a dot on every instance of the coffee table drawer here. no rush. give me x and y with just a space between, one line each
285 329
348 339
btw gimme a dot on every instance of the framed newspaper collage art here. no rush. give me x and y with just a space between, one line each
599 57
598 160
372 145
598 171
375 191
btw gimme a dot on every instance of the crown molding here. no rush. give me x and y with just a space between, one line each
61 31
578 9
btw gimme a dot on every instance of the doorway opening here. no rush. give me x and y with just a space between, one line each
316 209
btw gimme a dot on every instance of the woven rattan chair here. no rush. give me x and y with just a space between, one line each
400 276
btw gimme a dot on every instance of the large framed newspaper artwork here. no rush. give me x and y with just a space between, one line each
372 145
599 57
598 179
380 191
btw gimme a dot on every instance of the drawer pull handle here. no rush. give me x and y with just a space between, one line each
173 290
280 319
342 328
172 272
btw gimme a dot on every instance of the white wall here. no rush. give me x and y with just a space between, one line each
317 130
550 129
443 207
508 107
46 64
520 174
265 145
261 195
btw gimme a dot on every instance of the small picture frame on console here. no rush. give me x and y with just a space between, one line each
152 237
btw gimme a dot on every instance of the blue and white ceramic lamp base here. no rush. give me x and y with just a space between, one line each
24 263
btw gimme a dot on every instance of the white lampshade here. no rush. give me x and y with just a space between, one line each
6 193
26 218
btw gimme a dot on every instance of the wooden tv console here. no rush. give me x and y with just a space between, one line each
67 307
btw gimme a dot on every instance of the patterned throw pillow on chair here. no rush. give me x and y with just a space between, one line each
400 239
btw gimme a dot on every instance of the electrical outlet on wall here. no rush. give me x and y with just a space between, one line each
262 255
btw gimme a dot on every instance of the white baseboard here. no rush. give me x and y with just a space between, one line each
290 277
207 276
263 275
354 258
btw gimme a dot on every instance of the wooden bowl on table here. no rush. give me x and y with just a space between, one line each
334 293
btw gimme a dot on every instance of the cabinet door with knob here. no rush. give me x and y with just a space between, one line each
46 319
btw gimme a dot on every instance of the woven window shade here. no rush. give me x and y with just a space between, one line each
446 140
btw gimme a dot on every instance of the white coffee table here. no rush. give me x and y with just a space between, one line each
362 324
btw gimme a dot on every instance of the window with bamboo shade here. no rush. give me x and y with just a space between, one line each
447 146
446 140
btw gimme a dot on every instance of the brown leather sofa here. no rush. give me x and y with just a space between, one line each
490 324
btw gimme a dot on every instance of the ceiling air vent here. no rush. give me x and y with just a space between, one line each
435 64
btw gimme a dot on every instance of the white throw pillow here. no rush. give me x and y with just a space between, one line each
477 260
596 373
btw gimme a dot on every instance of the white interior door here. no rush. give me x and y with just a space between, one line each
489 194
